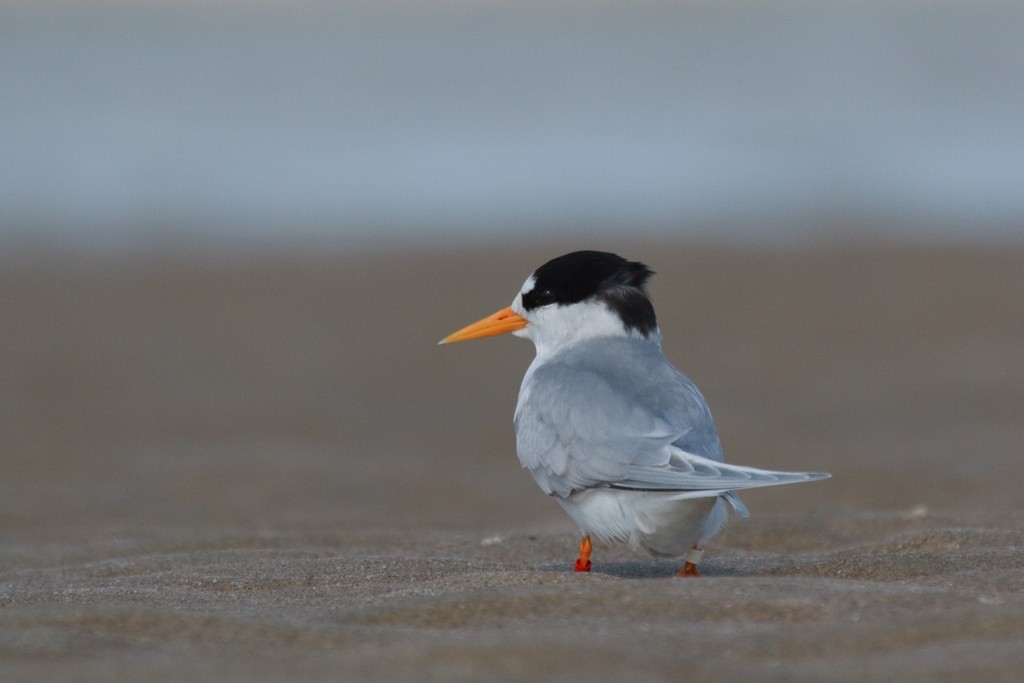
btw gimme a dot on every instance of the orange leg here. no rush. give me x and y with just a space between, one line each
583 561
692 558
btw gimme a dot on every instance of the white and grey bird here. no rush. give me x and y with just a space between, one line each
605 424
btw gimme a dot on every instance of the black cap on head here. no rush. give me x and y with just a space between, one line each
601 275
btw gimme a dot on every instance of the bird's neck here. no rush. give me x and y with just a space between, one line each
553 331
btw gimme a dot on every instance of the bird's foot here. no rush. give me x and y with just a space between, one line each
692 558
689 570
583 563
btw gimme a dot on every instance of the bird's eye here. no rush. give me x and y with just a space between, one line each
545 297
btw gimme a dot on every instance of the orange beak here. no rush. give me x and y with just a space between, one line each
505 320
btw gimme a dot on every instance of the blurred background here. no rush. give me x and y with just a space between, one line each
232 232
358 121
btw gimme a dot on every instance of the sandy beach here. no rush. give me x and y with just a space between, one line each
261 467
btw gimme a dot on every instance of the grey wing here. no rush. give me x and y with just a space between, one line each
694 460
687 471
691 417
635 422
578 428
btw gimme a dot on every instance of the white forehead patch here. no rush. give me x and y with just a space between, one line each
517 304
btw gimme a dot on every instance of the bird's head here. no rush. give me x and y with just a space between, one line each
581 295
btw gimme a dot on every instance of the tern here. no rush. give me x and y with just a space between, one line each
608 427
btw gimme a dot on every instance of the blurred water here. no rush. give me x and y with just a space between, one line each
752 120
